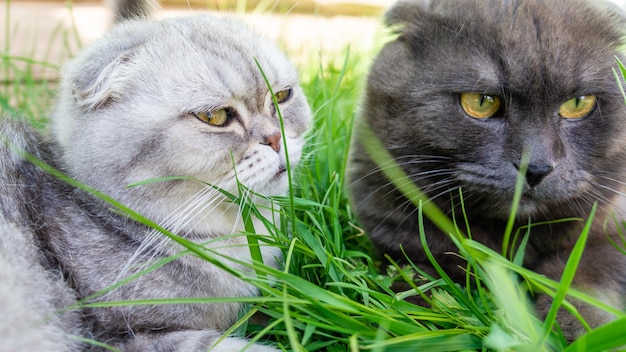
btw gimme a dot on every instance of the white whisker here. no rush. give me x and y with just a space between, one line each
155 242
611 189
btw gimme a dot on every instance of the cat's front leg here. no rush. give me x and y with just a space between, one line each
190 341
601 274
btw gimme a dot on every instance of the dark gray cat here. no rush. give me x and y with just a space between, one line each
466 87
131 9
181 97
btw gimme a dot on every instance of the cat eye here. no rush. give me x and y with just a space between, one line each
578 107
216 118
480 106
283 95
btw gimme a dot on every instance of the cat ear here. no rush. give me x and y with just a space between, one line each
92 90
406 12
413 20
611 9
614 16
103 73
618 14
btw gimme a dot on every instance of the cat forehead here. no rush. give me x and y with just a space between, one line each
183 49
211 45
522 44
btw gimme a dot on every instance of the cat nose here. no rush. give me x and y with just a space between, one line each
536 173
273 140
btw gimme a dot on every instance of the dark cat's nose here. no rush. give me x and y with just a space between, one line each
536 173
273 141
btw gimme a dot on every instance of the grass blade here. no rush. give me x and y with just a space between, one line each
568 275
608 337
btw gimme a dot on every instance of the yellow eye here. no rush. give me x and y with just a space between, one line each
480 106
215 118
283 95
578 107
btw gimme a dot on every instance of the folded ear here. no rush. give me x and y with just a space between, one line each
617 14
93 89
413 20
406 12
101 73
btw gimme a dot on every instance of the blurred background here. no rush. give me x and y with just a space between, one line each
45 33
51 31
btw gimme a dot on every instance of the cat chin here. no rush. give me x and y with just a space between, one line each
525 209
271 181
501 207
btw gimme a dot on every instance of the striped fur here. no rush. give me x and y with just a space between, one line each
127 113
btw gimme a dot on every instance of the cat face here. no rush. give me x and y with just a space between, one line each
182 97
464 99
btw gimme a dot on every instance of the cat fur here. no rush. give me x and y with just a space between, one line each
535 55
125 114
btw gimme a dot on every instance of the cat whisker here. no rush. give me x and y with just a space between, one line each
140 259
381 168
576 206
612 179
412 179
444 183
406 204
174 220
202 202
596 196
155 241
610 189
448 190
411 161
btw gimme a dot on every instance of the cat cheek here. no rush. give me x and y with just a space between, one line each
294 149
298 116
260 169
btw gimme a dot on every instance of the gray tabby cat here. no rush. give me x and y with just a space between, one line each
457 97
181 97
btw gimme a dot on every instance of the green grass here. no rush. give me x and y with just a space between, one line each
330 296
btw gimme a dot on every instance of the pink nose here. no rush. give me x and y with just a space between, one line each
273 141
